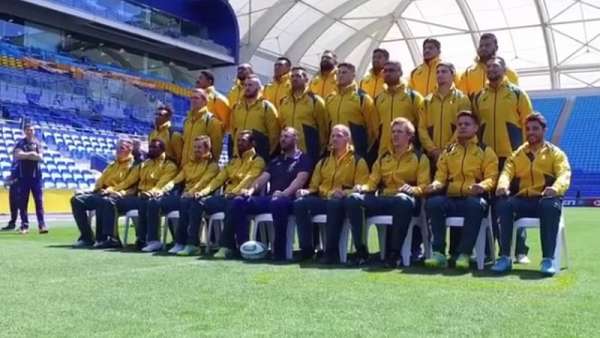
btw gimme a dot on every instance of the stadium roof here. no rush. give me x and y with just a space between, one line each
551 43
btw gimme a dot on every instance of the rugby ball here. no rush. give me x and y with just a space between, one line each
253 250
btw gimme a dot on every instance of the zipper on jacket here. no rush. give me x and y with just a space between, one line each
441 122
531 173
494 126
462 169
339 108
293 124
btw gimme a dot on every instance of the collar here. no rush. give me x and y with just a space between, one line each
304 93
198 113
409 149
326 75
432 62
502 84
451 92
295 156
250 153
472 141
159 159
528 147
163 126
395 89
206 157
373 74
283 79
352 87
125 159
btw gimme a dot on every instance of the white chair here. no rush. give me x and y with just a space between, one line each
321 220
485 230
215 223
128 217
561 239
263 223
383 221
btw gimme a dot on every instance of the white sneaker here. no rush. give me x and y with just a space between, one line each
175 249
522 259
153 246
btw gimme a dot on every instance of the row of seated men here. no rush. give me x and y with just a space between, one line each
341 186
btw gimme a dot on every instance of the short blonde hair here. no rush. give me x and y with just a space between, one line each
404 122
344 130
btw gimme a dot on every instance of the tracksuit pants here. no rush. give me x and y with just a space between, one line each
473 210
31 185
401 208
548 210
155 207
307 207
80 205
110 209
237 221
13 203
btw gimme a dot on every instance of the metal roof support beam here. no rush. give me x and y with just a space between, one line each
366 61
258 31
550 46
307 38
470 20
372 29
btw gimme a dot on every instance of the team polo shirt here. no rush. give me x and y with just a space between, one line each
283 169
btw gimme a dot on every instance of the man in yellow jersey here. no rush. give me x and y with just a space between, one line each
163 130
192 178
372 83
200 121
237 90
352 107
113 174
279 88
502 108
532 184
423 77
331 183
325 82
474 78
254 112
399 176
305 112
466 174
437 123
217 102
397 100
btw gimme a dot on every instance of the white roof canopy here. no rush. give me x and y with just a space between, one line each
551 43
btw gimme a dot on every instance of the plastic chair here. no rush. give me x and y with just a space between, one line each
383 221
264 224
485 230
321 220
561 239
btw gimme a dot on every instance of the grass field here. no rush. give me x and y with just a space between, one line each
52 290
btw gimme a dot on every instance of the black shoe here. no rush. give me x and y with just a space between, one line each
307 255
9 227
139 245
392 260
110 243
361 258
328 259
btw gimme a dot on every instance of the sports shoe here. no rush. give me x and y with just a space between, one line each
463 262
503 265
9 227
23 231
152 246
437 260
80 244
189 250
224 253
109 243
176 248
43 229
547 267
522 259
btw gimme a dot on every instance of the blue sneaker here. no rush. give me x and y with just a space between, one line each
503 265
547 267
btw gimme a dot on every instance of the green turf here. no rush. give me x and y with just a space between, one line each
52 290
